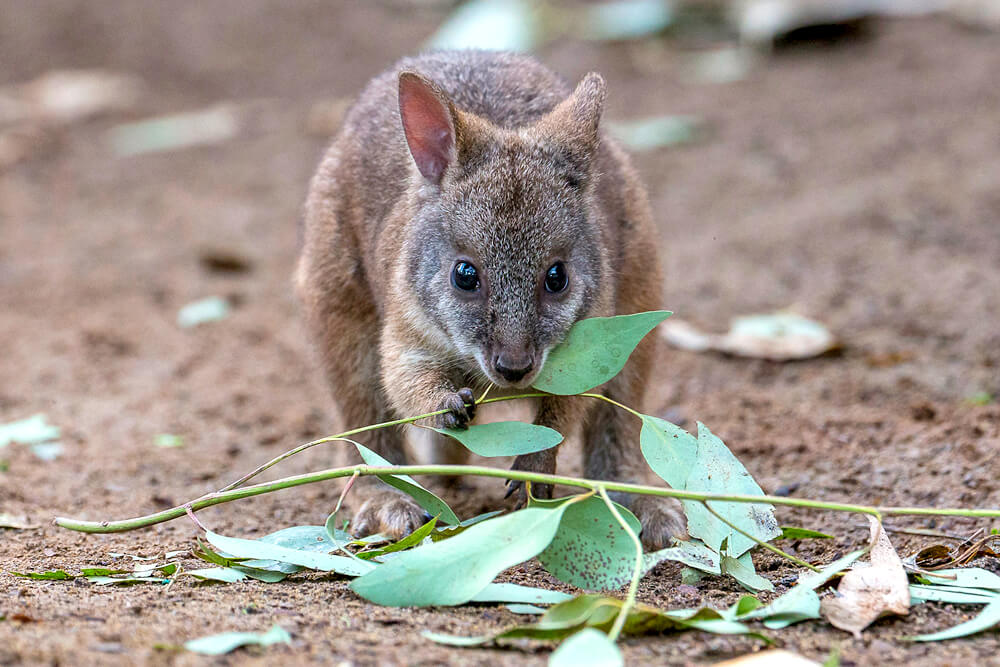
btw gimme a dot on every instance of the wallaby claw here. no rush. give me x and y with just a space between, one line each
461 406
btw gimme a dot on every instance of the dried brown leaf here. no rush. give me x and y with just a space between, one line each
872 590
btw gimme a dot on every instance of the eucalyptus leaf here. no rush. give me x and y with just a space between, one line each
669 450
591 550
587 648
971 577
228 575
302 538
504 438
794 533
517 593
716 470
527 609
692 553
30 431
594 351
742 570
950 594
430 502
228 641
126 581
987 618
625 19
309 559
453 571
411 540
50 575
101 571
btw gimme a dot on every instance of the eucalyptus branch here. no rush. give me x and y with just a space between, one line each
343 437
218 498
633 587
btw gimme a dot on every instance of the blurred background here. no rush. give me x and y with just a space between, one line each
835 159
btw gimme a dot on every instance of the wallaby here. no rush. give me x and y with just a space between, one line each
467 215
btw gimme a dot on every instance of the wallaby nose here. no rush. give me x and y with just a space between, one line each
512 366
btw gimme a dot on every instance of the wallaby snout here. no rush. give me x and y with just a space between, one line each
514 364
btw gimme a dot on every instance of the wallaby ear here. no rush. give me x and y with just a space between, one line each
429 124
575 120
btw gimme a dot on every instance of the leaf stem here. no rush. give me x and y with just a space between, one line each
482 471
633 587
342 437
760 542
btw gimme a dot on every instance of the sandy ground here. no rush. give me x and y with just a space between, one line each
856 182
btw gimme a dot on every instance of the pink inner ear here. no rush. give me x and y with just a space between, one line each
428 128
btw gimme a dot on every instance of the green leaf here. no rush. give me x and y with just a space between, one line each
794 533
597 611
168 440
970 577
504 438
430 502
527 609
228 641
50 575
512 25
625 19
30 431
101 571
452 571
692 553
308 559
500 592
742 570
594 351
302 538
126 581
716 470
669 450
644 134
228 575
411 540
987 618
591 550
587 648
953 595
444 532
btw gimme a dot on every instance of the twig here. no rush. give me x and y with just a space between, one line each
211 499
633 586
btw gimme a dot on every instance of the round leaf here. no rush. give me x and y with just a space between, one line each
594 351
504 438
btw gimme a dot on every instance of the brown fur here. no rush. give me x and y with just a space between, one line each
491 159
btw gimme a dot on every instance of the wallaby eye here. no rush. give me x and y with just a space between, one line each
556 278
465 277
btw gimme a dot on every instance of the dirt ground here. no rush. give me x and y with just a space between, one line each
856 182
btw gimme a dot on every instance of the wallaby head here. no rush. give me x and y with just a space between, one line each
505 253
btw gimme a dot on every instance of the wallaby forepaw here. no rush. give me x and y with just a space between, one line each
389 513
518 492
662 521
461 407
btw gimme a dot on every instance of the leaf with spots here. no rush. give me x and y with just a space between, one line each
591 550
594 351
717 470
